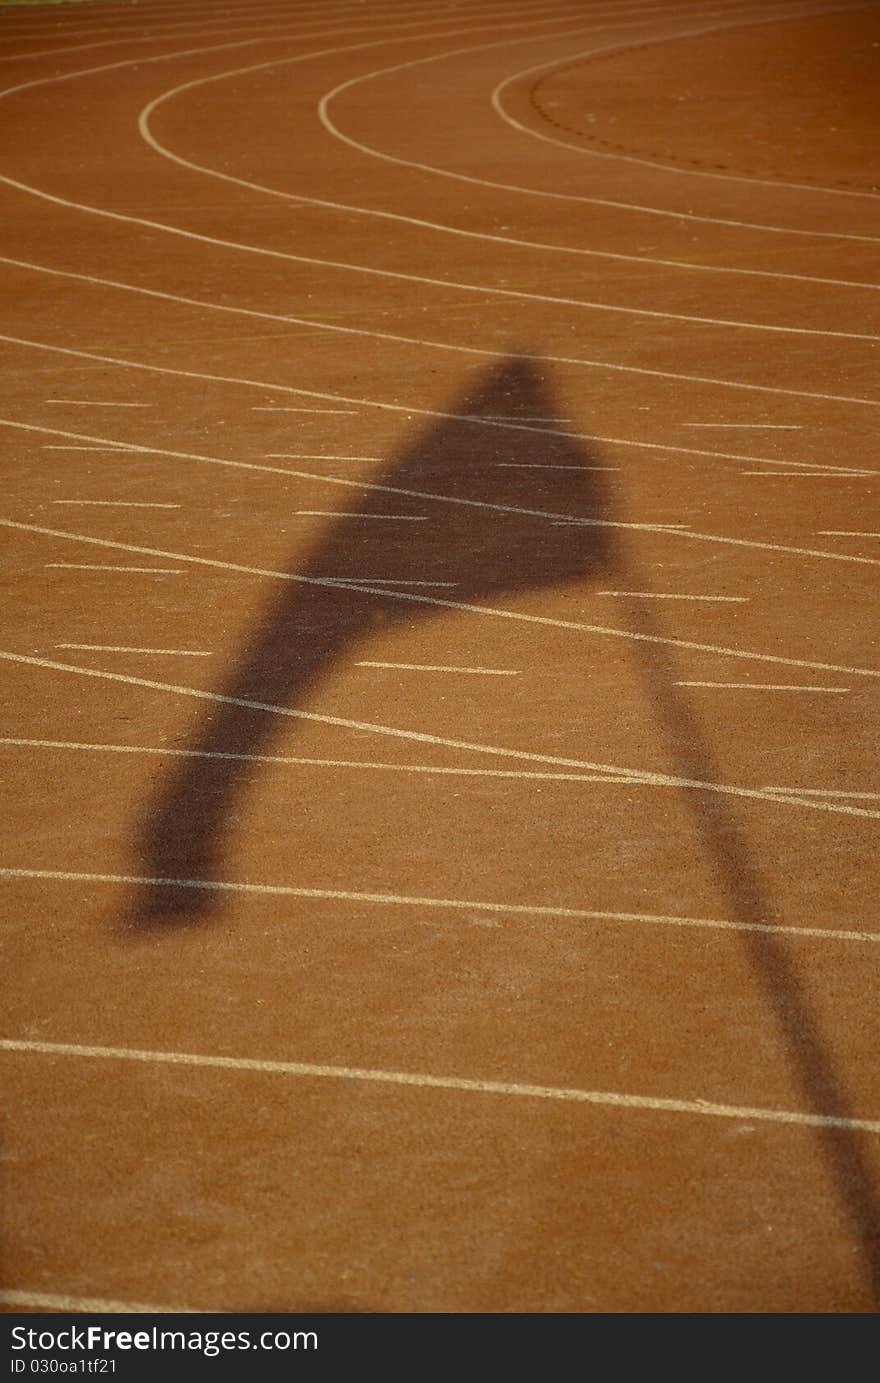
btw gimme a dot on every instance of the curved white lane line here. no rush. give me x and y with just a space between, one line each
571 60
639 208
421 279
316 325
443 227
435 601
375 727
411 411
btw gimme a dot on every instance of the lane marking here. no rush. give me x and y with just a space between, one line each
831 792
409 412
118 503
323 111
488 610
546 466
278 408
51 1301
765 686
97 403
165 151
384 581
53 446
338 763
655 41
613 1098
124 648
415 341
768 427
844 533
306 456
811 475
103 566
341 514
675 595
436 667
421 737
420 494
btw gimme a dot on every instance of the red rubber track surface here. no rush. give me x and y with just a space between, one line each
440 656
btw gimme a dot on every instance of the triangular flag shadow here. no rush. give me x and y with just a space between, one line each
490 546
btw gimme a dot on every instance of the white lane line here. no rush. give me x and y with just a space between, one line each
817 474
118 503
323 111
342 514
546 466
438 667
823 466
443 284
314 325
444 228
286 408
674 595
846 533
766 686
420 737
515 418
422 1080
383 581
430 769
103 566
488 610
51 1301
97 403
830 792
305 456
654 41
408 411
684 529
52 446
125 648
767 427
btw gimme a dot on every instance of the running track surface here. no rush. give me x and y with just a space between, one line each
439 657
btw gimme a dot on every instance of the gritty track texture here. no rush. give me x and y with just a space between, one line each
440 657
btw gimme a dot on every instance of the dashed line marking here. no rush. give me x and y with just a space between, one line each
438 667
125 648
765 686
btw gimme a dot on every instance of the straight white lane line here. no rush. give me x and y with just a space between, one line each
765 686
97 403
767 427
53 446
674 595
546 466
104 566
838 474
51 1301
492 612
438 667
310 1070
830 792
382 405
356 764
383 581
420 737
118 503
303 456
846 533
341 514
287 408
125 648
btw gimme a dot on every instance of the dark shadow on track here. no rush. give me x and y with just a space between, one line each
481 552
486 552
